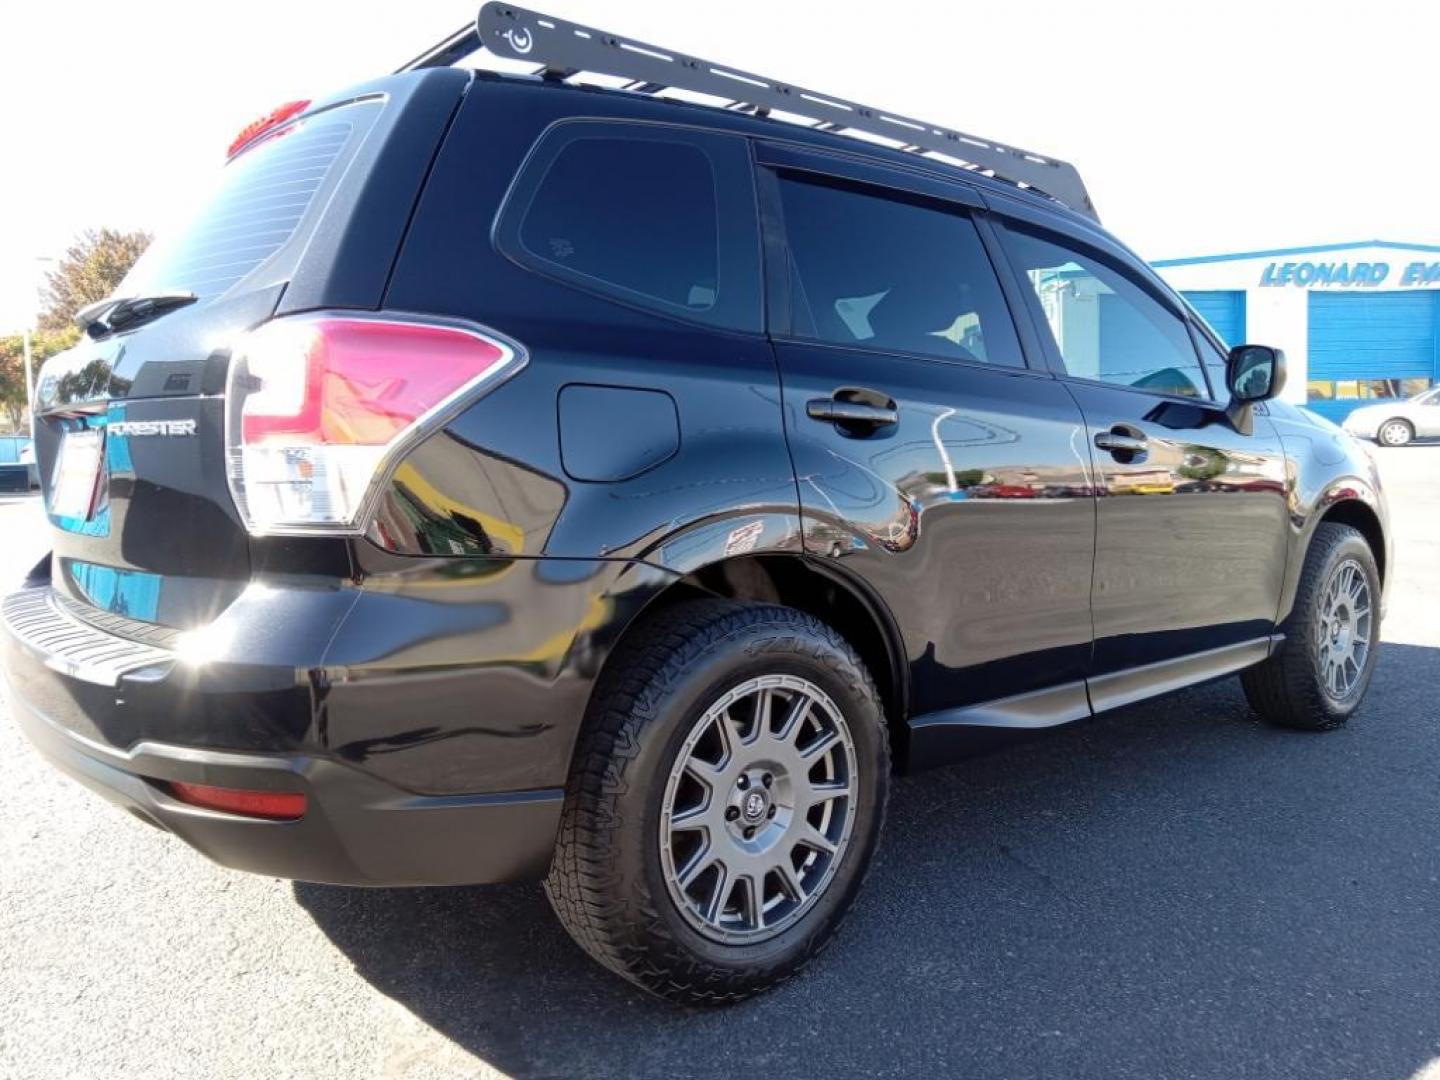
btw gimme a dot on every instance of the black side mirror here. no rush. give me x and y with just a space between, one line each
1252 373
1255 372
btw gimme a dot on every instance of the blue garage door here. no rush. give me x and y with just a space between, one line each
1366 347
1224 311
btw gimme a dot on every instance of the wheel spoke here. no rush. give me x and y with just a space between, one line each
751 899
789 879
719 892
695 817
704 771
725 728
812 750
760 726
812 837
825 791
795 718
698 863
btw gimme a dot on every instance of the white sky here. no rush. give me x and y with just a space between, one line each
1199 127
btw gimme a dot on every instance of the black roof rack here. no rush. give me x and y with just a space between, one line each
561 50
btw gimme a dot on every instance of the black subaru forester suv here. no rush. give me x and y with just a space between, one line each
504 476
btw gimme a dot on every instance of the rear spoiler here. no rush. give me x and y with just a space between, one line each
562 50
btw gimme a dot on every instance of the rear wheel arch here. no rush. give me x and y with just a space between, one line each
830 595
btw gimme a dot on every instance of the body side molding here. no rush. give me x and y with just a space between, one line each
1136 684
940 737
1051 707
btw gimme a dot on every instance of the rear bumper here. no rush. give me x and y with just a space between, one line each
358 829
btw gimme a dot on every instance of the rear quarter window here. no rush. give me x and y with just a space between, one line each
651 216
262 200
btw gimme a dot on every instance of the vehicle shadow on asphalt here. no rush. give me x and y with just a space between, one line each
1171 890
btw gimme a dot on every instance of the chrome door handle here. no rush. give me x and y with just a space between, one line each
1119 442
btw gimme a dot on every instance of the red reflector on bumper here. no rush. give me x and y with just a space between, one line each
272 805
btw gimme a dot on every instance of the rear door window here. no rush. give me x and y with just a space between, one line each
262 200
871 271
649 215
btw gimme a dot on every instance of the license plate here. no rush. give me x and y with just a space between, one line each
77 474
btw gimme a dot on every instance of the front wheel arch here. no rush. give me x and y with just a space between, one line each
1362 519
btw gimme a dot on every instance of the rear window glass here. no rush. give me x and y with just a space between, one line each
633 215
257 206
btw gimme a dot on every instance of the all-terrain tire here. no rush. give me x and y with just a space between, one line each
606 881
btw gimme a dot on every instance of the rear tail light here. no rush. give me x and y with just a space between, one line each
319 408
271 805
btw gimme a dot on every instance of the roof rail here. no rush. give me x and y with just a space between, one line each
562 49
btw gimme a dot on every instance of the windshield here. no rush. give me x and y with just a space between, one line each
262 199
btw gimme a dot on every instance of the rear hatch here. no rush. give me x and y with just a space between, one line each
130 427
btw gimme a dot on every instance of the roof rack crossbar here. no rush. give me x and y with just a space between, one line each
561 49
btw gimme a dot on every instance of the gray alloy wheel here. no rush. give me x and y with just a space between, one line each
757 811
1347 617
1396 432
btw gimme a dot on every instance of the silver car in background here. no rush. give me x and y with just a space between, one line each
1395 423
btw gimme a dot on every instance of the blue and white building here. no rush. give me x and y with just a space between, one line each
1359 322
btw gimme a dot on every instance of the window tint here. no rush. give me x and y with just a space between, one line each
257 206
634 214
1105 325
880 273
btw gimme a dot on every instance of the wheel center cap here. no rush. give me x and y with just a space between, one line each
754 804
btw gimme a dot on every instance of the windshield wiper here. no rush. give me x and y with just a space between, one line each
114 313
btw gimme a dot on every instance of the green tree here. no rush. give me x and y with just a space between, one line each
12 369
88 271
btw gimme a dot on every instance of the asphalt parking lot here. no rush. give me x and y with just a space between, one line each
1167 891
